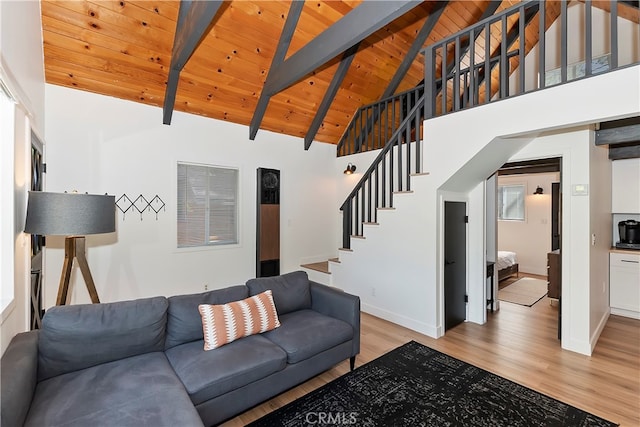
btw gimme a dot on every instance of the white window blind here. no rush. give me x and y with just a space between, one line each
511 202
207 205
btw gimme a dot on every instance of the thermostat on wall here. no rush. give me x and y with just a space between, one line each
580 189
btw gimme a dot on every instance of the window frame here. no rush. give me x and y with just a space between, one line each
523 185
238 211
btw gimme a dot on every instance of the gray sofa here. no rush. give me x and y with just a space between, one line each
142 363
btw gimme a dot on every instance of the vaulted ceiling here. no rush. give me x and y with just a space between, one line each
123 48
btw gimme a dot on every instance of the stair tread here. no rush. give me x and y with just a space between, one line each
322 267
403 192
386 209
334 260
420 174
371 223
345 249
356 236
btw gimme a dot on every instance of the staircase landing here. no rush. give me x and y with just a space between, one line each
322 267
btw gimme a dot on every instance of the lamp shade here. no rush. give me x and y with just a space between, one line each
70 214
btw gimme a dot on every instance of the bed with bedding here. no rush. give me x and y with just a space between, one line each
507 264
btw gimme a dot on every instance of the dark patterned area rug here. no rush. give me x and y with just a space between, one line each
414 385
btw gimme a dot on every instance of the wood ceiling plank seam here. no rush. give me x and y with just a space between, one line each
120 91
94 12
103 77
234 17
99 65
122 68
167 9
293 16
133 11
80 21
83 51
53 28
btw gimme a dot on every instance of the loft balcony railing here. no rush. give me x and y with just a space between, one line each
493 68
470 68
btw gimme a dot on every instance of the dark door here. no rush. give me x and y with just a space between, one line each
455 263
555 216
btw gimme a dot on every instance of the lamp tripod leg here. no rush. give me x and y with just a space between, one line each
84 268
74 247
69 254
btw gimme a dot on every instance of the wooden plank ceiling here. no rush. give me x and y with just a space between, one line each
122 48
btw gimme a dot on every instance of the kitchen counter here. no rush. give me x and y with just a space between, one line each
613 249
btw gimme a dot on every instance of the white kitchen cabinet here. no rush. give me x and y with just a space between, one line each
624 280
625 186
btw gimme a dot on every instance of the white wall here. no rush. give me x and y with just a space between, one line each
22 70
100 144
530 239
600 239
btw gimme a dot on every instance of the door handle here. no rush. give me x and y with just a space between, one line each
447 262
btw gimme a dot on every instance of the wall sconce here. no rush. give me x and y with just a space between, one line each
351 168
539 190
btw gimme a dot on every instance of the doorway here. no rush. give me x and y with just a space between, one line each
455 263
529 231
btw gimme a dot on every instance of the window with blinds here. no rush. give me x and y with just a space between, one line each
511 202
207 205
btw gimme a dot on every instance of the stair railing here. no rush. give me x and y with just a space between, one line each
390 172
373 124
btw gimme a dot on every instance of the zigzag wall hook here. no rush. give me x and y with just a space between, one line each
140 204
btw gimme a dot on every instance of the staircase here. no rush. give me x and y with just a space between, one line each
391 252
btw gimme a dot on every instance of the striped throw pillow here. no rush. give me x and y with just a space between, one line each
225 323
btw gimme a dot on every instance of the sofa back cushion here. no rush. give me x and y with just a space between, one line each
75 337
290 291
184 323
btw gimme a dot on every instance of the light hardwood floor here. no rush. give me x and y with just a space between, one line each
518 343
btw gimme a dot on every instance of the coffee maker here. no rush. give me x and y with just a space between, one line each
629 231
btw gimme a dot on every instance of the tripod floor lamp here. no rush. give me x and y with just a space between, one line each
73 215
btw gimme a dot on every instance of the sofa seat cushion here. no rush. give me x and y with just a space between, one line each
137 391
305 333
208 374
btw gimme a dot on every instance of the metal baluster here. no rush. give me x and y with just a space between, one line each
588 65
614 35
523 39
541 44
456 76
563 41
472 67
443 72
504 67
487 63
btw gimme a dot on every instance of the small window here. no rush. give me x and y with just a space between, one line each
511 202
207 205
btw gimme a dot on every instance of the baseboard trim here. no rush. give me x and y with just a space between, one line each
398 319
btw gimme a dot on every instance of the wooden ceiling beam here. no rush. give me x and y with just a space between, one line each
330 94
194 18
281 51
354 27
416 46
